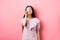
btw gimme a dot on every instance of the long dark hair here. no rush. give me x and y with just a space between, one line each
33 13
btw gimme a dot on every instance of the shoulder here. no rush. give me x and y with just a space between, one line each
36 19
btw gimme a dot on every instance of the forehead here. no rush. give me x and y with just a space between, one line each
29 8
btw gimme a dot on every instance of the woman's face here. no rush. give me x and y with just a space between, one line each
29 9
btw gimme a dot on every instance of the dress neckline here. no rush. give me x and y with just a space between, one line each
30 19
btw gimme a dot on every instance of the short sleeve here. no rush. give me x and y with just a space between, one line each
38 26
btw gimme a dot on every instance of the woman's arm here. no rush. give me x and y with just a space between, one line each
38 31
22 28
23 23
38 34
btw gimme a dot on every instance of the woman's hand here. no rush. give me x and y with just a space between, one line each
24 21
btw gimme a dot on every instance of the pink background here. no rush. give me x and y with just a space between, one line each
11 12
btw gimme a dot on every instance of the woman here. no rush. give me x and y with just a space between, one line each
30 25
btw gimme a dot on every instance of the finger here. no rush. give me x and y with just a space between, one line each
26 12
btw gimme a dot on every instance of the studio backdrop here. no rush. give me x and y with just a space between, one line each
11 12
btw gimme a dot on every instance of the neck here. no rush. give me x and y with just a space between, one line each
29 16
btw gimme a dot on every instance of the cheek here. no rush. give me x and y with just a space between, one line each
31 11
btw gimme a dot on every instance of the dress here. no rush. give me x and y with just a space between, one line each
29 32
